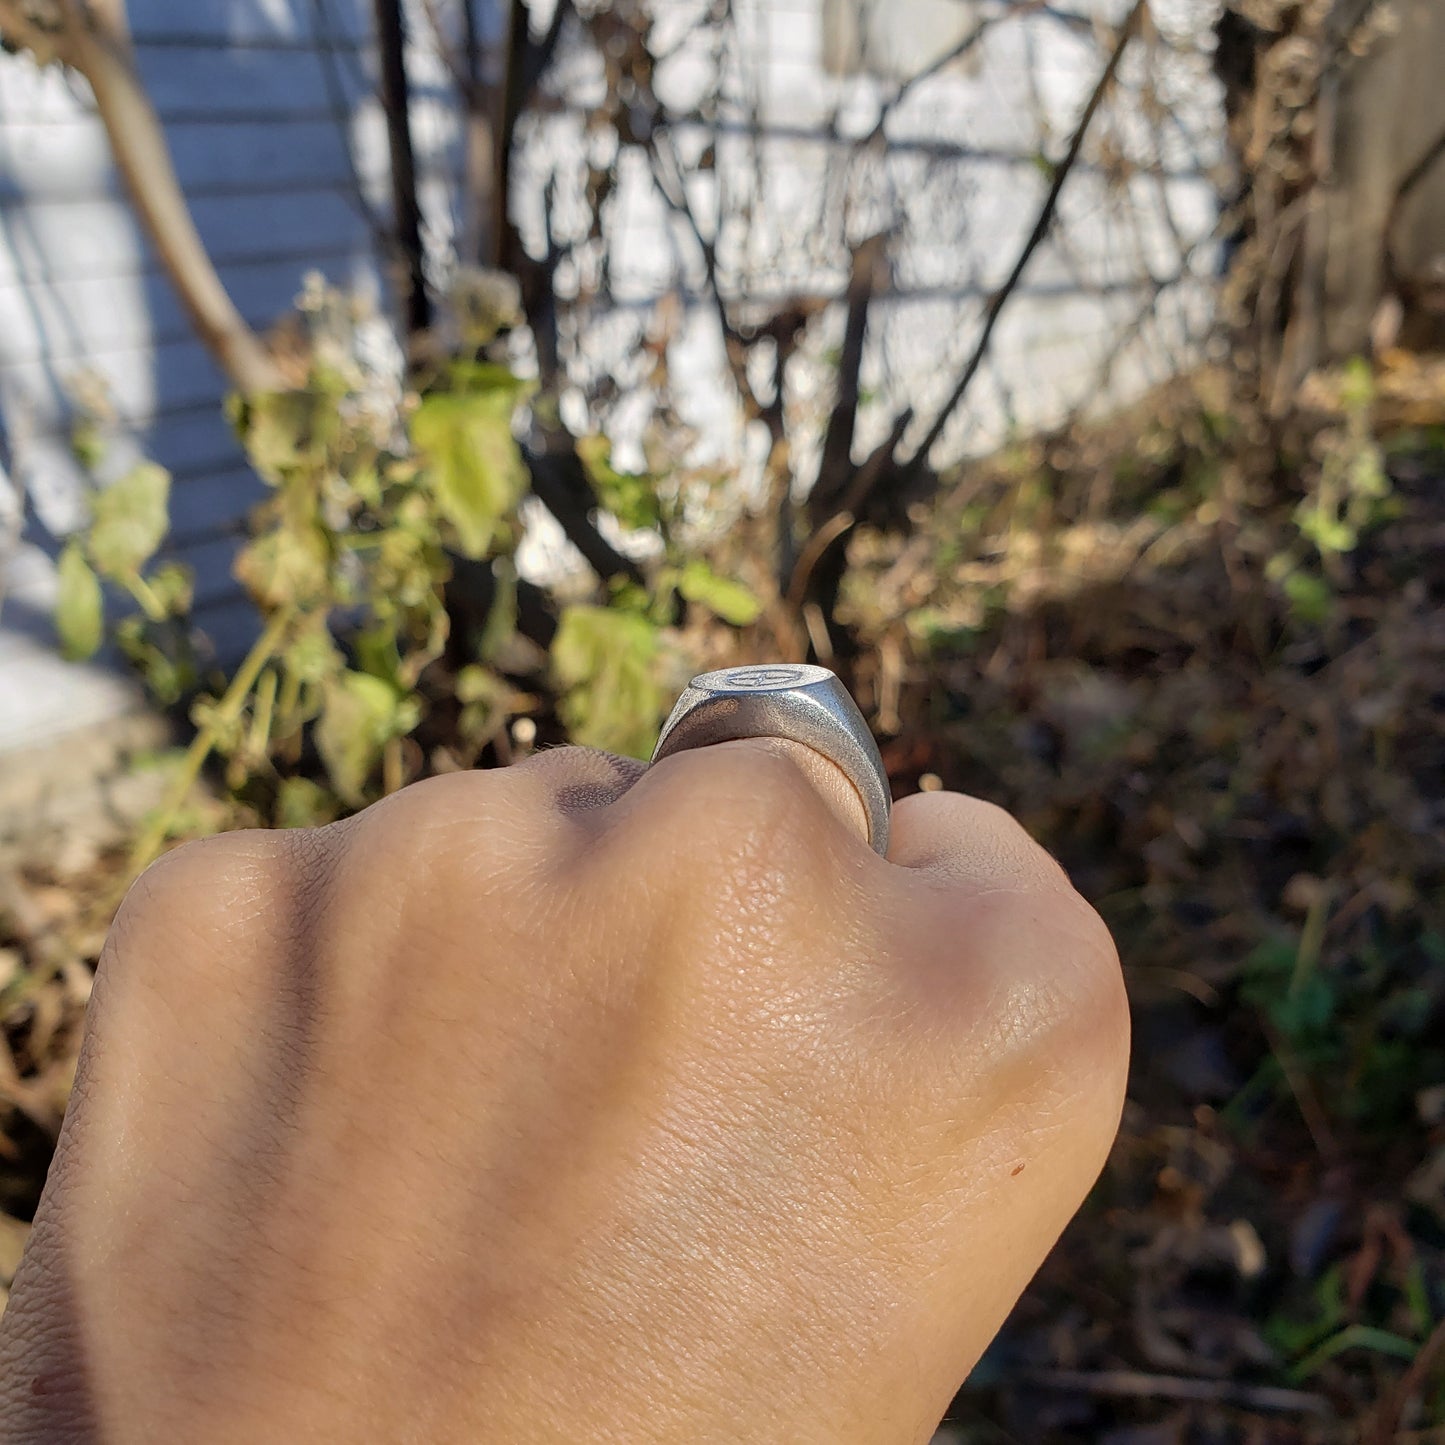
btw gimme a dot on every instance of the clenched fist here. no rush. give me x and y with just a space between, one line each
568 1102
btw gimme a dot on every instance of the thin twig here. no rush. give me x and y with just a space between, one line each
845 518
1307 1101
227 710
336 103
1429 157
673 189
1135 1384
1432 1353
955 52
1041 227
446 52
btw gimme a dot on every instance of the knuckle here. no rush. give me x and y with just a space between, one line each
739 801
1069 1012
727 842
1020 1000
1074 963
461 831
197 879
188 909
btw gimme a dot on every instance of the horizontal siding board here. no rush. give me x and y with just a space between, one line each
222 21
344 261
208 506
284 25
231 625
138 352
69 239
70 320
43 162
211 561
225 79
193 443
198 442
215 84
134 380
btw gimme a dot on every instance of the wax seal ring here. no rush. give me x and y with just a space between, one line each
803 704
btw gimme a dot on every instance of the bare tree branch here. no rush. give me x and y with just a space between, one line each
560 483
955 52
1427 161
837 527
836 462
1044 220
94 41
396 103
671 182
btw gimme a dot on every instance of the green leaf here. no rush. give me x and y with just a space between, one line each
1357 385
1354 1337
129 520
1333 534
1304 1011
360 716
1309 596
290 564
1366 474
477 377
284 430
501 625
161 654
173 586
78 606
631 497
475 466
479 684
302 803
86 444
723 597
606 663
312 656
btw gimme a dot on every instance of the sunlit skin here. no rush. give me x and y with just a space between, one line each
569 1103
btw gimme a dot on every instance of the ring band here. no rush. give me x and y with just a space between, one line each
793 701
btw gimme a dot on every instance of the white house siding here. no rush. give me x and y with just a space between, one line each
270 113
1116 297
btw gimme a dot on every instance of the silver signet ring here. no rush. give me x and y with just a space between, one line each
800 703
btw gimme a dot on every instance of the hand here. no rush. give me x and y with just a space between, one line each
569 1102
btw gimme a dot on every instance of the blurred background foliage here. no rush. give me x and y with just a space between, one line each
1196 642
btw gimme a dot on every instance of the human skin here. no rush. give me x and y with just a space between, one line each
569 1102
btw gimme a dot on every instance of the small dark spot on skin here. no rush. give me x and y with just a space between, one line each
589 793
583 797
1016 1171
38 1386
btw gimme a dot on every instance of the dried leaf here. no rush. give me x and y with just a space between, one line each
129 520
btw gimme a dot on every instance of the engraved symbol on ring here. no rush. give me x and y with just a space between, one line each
764 678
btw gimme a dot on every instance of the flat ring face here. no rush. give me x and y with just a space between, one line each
768 677
796 701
